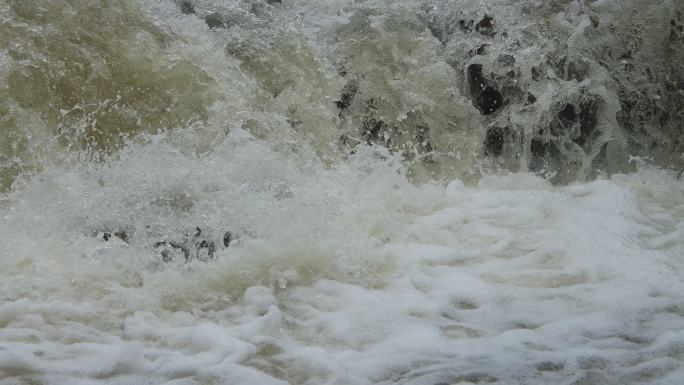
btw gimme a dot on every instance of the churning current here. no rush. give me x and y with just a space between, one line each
341 192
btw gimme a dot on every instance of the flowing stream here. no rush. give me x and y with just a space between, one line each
341 192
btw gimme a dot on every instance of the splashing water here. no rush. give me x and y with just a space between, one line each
338 192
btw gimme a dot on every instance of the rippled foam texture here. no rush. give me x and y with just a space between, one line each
348 274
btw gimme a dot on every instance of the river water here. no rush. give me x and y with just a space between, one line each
310 192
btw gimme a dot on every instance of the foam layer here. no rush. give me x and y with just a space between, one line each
341 275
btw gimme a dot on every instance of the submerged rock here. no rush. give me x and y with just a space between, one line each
486 26
347 94
199 246
215 20
574 81
122 235
495 139
486 98
186 8
184 248
554 84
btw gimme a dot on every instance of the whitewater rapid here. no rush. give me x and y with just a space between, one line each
347 275
389 223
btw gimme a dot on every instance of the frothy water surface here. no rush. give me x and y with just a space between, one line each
345 275
364 248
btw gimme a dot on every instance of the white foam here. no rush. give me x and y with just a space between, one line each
353 275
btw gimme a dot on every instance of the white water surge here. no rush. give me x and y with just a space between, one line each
346 267
348 275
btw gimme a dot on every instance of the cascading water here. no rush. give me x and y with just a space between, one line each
341 192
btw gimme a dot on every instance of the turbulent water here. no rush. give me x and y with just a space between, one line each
341 192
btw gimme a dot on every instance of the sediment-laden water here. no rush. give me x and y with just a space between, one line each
341 192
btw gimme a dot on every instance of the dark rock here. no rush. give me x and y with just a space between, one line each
536 73
186 8
199 246
588 119
489 101
204 249
172 251
577 70
542 151
374 131
476 79
122 235
182 248
486 98
207 247
568 113
347 95
531 99
215 20
423 138
494 140
564 121
486 26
